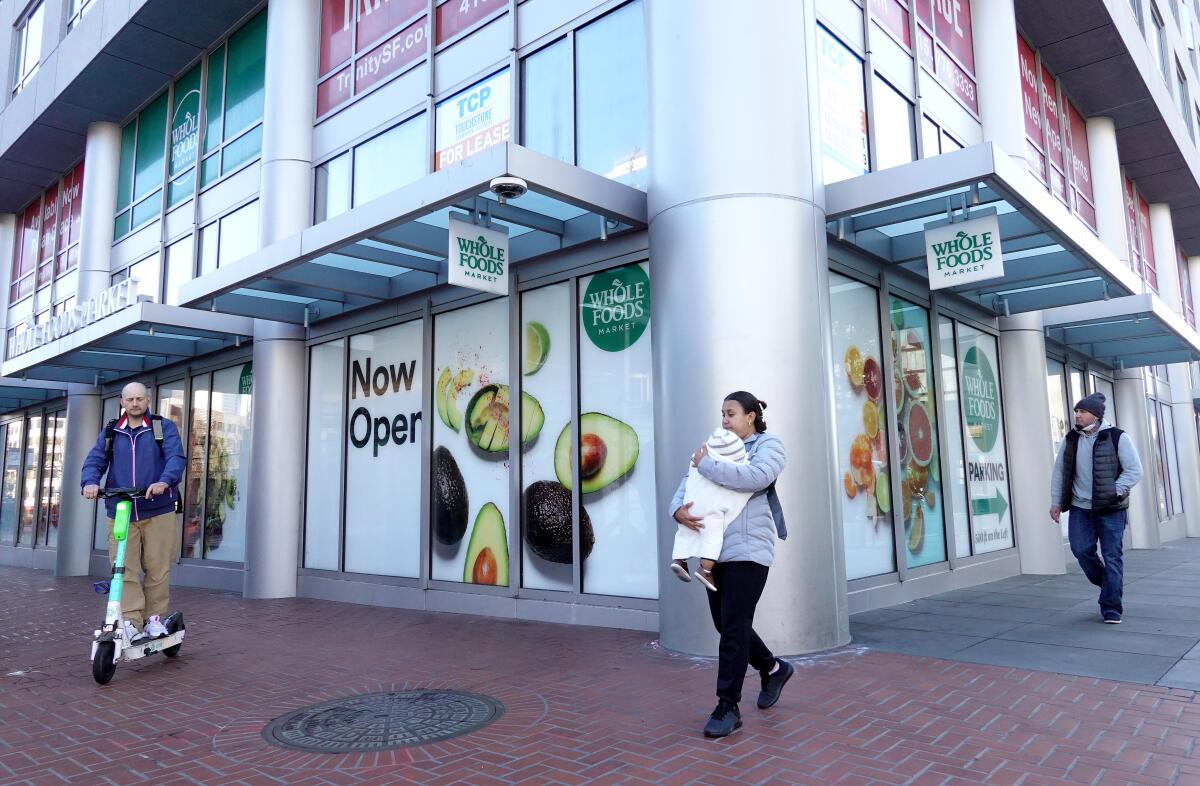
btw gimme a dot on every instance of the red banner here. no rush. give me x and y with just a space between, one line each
352 29
1151 273
1131 228
393 55
377 18
952 28
945 46
72 207
893 16
1081 166
1027 60
959 82
337 37
455 16
49 223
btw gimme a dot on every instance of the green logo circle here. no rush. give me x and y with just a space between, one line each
616 307
981 399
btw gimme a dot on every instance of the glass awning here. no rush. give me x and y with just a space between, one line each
139 338
18 393
1127 332
397 244
1051 258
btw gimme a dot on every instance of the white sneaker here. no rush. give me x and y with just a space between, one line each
132 634
154 628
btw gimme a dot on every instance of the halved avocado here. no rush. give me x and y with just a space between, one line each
450 504
610 449
546 507
446 397
487 418
439 398
487 552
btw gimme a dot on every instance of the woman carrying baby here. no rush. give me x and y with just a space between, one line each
747 552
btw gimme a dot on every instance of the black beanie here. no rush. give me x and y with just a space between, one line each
1093 403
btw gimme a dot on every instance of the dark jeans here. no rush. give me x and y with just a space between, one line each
741 584
1084 529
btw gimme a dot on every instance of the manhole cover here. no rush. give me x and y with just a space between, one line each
379 721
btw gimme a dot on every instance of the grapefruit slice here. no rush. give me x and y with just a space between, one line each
872 378
883 492
870 418
919 430
854 366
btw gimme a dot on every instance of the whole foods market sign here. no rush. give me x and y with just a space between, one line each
963 252
478 257
108 302
616 307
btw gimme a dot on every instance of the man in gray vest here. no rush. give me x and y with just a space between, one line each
1096 467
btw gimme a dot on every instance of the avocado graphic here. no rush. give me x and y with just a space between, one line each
546 506
449 498
446 398
487 418
487 551
609 447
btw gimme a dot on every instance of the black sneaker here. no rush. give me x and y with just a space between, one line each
1111 617
725 720
772 684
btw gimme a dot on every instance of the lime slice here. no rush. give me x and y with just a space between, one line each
537 347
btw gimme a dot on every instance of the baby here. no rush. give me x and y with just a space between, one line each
717 505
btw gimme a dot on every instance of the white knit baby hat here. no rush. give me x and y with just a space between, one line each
727 446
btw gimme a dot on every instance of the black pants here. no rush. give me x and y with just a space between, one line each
741 584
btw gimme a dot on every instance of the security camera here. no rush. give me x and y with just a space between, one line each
508 187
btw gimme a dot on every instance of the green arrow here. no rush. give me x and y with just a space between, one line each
989 506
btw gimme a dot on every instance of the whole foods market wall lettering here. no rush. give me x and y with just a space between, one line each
963 252
108 302
478 257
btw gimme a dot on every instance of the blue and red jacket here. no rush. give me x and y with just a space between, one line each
137 462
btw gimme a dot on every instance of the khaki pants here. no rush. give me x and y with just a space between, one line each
150 548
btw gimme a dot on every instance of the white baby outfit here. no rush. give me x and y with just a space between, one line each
717 505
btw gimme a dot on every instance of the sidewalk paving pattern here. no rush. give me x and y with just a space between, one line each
583 705
1052 623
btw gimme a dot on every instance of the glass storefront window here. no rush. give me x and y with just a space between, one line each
611 111
33 452
861 420
469 495
51 480
197 465
323 488
920 468
13 439
546 102
1171 451
547 549
111 409
616 403
383 457
228 472
983 424
1158 460
955 464
1056 390
179 268
1076 387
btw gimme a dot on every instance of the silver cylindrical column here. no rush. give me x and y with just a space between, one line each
287 176
1186 444
77 515
1162 234
740 292
1107 186
1135 421
275 504
1030 451
101 169
998 69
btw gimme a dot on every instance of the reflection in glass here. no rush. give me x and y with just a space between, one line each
546 110
8 488
1056 389
1171 451
323 491
390 160
955 465
148 273
239 235
333 188
100 534
179 268
983 425
197 461
895 140
860 413
33 450
228 472
1159 460
610 94
921 505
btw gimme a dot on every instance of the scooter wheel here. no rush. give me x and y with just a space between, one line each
172 652
103 666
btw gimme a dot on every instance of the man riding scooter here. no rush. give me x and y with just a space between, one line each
141 450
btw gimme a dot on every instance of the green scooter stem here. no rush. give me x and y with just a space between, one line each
112 615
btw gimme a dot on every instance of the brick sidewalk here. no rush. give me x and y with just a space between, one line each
584 706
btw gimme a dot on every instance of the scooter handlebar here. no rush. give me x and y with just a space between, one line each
122 493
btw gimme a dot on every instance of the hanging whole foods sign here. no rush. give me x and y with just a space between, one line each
963 252
478 257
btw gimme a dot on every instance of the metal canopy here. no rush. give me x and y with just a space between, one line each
17 393
1051 258
137 339
1127 332
397 244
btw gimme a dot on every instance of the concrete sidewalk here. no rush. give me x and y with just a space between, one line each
582 706
1053 623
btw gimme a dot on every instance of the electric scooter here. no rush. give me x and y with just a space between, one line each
109 646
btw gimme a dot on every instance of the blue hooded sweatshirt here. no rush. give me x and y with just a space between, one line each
138 462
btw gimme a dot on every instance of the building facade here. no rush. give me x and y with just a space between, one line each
920 229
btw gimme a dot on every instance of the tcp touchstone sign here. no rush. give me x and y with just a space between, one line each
963 252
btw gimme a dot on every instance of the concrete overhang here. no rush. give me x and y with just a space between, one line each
1050 257
19 393
106 67
1126 332
398 244
140 338
1098 51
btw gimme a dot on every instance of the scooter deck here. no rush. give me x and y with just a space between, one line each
145 647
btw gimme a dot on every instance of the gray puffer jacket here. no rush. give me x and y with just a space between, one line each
751 536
